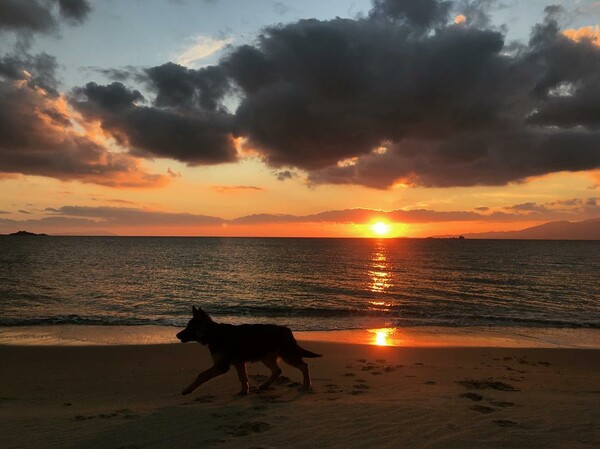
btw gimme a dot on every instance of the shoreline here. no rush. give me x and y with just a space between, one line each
417 337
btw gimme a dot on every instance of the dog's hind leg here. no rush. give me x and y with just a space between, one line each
297 362
271 362
205 376
243 377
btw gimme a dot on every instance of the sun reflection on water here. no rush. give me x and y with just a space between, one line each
378 269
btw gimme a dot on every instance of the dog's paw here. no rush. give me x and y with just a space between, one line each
186 392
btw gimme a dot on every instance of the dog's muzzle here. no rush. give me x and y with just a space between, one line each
183 336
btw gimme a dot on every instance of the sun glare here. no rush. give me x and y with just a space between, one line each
382 336
380 228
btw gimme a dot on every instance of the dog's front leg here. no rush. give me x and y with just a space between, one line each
205 376
243 377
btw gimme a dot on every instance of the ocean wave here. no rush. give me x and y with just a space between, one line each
308 319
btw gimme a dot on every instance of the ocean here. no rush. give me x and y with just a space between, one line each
307 284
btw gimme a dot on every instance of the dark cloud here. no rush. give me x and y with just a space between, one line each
421 13
528 207
41 15
36 71
236 189
198 137
400 95
37 137
75 11
285 174
362 216
27 15
125 216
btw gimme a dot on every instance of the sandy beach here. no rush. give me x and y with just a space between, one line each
363 396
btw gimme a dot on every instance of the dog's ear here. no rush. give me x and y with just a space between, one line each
201 314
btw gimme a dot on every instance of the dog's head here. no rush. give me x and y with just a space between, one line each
197 328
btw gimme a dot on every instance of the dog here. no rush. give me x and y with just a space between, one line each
236 345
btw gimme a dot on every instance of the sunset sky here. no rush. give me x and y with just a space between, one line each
311 118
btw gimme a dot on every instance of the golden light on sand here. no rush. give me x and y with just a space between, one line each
383 336
380 228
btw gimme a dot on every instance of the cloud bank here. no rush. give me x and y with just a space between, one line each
107 218
404 94
38 132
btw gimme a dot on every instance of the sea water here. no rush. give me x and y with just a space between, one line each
307 284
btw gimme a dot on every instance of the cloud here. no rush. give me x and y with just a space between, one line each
39 133
236 189
285 174
362 216
587 33
528 207
201 47
400 95
126 216
201 138
41 16
105 218
37 137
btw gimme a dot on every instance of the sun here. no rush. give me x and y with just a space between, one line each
380 228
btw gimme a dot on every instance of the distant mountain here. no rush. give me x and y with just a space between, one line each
553 230
26 234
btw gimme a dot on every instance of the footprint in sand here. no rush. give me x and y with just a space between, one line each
361 386
349 375
502 403
333 388
124 413
272 399
482 409
484 384
504 422
429 382
472 396
283 380
362 360
246 428
380 360
207 398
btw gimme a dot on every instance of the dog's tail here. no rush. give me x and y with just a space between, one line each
307 354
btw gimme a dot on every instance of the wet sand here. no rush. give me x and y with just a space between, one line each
128 397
